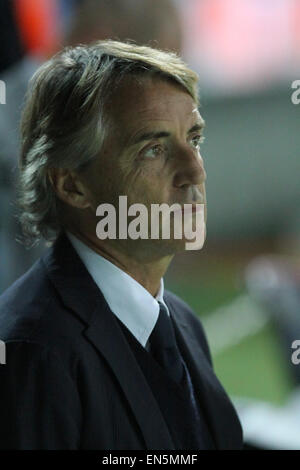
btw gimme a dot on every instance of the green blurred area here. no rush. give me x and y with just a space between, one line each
253 368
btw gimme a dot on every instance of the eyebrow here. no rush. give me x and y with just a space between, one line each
159 135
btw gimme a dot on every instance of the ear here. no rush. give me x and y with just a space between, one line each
69 187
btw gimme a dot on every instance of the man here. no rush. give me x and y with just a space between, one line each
85 366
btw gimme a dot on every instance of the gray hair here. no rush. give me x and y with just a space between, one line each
63 123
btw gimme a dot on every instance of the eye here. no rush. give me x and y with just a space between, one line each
154 151
197 140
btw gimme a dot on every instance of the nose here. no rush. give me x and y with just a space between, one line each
189 169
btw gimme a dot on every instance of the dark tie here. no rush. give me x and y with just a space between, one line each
164 347
166 352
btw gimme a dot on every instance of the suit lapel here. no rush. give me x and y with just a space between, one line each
80 294
107 337
217 408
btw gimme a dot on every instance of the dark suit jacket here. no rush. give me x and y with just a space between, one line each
71 380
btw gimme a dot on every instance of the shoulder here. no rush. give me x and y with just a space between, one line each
32 314
23 303
182 309
184 313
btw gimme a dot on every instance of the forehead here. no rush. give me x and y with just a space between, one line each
153 102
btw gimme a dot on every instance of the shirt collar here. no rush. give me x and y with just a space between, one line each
134 306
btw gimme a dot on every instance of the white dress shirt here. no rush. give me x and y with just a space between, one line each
134 306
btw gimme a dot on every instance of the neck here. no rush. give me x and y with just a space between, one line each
147 273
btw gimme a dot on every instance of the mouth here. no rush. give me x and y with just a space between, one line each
195 205
190 207
193 208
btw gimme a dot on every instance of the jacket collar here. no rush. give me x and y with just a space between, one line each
126 305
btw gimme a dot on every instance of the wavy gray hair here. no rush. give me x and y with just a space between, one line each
63 123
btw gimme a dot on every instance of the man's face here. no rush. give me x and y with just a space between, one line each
151 153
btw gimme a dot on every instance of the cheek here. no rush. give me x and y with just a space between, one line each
103 187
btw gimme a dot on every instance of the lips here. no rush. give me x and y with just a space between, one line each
190 207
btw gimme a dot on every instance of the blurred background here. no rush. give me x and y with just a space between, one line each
245 283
